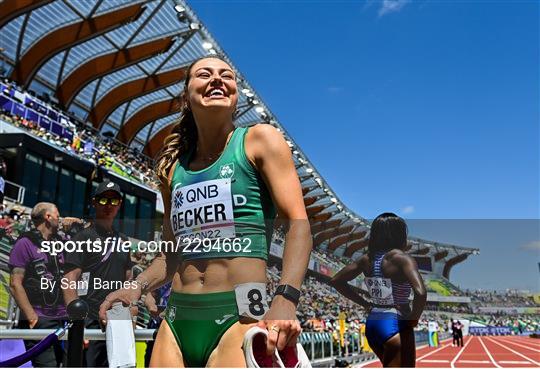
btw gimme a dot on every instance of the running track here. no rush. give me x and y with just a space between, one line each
478 352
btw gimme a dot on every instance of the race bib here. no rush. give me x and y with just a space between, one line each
251 300
380 290
203 210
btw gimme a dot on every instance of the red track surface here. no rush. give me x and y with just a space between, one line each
479 352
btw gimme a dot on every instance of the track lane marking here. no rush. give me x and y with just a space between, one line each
514 362
435 361
363 365
515 352
434 351
518 344
474 361
460 352
488 353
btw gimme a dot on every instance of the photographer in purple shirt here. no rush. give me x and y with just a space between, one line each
35 280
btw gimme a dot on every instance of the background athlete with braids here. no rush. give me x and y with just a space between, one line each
227 183
390 275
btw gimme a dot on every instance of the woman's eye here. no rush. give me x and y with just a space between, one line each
203 75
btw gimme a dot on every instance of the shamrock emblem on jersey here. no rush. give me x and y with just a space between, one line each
226 171
178 199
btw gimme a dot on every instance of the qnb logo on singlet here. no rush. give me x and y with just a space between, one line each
380 290
203 210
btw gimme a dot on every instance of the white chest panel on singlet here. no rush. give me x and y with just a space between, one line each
380 290
203 210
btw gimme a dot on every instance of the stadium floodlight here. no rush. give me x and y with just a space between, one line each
207 45
212 51
179 8
309 170
245 90
340 207
194 26
259 109
295 152
333 199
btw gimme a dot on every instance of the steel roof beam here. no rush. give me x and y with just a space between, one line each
320 227
132 90
154 145
321 217
450 263
69 36
338 241
440 255
106 64
355 246
310 200
329 234
146 115
11 9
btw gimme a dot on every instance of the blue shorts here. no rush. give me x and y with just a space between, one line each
381 326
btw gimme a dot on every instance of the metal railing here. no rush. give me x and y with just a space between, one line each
321 345
89 334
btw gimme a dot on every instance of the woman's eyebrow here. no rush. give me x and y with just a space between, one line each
221 70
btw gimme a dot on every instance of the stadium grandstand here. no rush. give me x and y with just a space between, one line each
90 90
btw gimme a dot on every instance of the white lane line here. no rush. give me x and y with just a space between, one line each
432 352
418 359
518 344
474 361
514 362
460 352
515 352
534 341
488 353
435 361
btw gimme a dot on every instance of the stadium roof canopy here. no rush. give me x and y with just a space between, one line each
120 65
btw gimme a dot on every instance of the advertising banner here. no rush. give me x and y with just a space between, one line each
490 331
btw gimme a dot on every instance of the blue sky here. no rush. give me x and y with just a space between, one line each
429 109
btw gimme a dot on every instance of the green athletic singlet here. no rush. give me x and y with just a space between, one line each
224 210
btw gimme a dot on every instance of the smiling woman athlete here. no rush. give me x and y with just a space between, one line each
222 187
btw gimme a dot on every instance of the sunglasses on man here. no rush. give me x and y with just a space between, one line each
105 200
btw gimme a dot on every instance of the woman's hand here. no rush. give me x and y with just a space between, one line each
32 320
150 303
282 325
127 296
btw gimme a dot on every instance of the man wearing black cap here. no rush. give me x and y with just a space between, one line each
98 271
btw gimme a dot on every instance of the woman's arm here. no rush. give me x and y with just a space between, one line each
271 156
341 279
410 270
160 272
